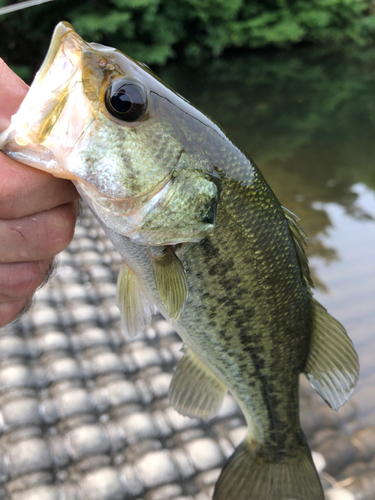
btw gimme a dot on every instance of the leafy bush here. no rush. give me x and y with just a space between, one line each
157 30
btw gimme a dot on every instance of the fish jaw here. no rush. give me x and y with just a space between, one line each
43 130
46 99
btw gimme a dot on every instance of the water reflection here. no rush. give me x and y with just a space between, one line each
352 279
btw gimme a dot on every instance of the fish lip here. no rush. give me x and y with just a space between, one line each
61 30
61 69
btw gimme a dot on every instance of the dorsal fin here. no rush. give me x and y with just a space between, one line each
300 238
332 366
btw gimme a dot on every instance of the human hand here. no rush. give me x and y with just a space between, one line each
37 215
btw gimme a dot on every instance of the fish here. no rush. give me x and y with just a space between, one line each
203 240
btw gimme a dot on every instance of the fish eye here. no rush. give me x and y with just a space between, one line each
126 100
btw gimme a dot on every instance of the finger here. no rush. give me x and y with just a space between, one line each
38 237
12 92
25 190
9 311
21 279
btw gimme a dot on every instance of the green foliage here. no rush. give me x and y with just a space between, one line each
155 31
283 22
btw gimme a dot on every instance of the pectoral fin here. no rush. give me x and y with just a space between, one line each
195 391
170 281
135 308
332 364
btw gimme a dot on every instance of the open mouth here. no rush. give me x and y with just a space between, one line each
45 100
25 139
61 30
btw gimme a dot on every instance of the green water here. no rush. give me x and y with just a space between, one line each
307 119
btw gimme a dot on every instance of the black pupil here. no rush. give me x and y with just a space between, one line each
121 101
126 100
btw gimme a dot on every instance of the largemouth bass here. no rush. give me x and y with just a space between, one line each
205 241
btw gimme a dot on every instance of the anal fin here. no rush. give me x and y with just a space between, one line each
332 365
195 391
135 308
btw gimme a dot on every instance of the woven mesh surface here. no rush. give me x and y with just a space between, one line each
85 415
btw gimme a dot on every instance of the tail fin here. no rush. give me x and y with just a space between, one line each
248 475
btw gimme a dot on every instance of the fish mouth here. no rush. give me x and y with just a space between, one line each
61 30
46 98
33 136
